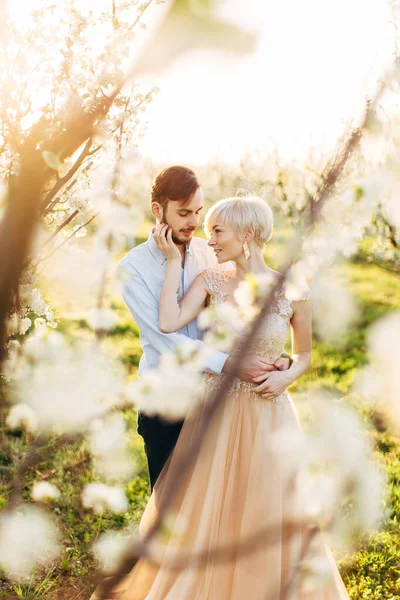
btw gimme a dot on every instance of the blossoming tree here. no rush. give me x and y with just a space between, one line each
66 157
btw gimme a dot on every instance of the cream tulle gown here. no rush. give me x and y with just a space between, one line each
234 488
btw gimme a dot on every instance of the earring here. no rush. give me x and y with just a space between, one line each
246 250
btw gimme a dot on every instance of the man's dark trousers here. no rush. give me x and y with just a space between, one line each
160 438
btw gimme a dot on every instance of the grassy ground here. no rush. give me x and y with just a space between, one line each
370 573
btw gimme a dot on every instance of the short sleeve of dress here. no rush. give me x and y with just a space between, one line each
288 296
305 293
214 279
301 293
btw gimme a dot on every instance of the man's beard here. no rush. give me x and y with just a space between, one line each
176 240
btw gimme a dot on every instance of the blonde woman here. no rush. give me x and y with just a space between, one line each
236 485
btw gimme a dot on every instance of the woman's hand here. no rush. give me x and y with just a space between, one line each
274 385
163 239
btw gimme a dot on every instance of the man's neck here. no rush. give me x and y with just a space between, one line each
182 249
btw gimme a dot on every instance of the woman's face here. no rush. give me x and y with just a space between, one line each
224 242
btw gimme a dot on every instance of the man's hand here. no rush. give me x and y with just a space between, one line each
274 385
252 368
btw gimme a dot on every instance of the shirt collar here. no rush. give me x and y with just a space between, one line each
158 255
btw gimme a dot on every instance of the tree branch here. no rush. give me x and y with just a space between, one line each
73 234
63 180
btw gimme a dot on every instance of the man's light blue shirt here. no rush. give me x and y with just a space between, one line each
143 270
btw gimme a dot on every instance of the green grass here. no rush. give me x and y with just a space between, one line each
371 572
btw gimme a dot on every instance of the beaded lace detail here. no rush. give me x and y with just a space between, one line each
269 341
214 279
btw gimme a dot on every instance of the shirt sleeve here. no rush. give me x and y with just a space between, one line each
144 309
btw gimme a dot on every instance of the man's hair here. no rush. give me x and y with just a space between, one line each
174 183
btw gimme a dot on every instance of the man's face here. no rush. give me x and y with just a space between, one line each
183 218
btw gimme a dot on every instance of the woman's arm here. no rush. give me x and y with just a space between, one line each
143 304
301 329
173 314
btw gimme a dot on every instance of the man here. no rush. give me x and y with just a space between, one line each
176 199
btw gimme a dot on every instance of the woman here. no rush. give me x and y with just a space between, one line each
236 485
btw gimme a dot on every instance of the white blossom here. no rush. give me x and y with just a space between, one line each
50 319
325 465
13 324
117 221
40 326
75 272
192 355
244 295
261 283
102 319
314 573
380 381
171 390
102 497
334 309
24 325
39 349
35 301
206 318
22 415
12 360
43 490
109 549
79 203
69 387
224 322
28 539
303 271
108 443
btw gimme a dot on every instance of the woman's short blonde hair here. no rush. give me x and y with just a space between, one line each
242 214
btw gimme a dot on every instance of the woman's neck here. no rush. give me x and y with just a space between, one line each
254 264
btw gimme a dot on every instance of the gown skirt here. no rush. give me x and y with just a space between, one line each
235 487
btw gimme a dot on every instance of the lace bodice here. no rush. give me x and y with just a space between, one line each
270 340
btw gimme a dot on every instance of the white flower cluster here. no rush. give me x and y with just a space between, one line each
345 218
251 291
102 319
110 547
32 301
172 389
315 570
76 271
222 324
65 388
379 382
117 221
43 490
334 310
102 497
108 444
28 539
22 415
331 465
